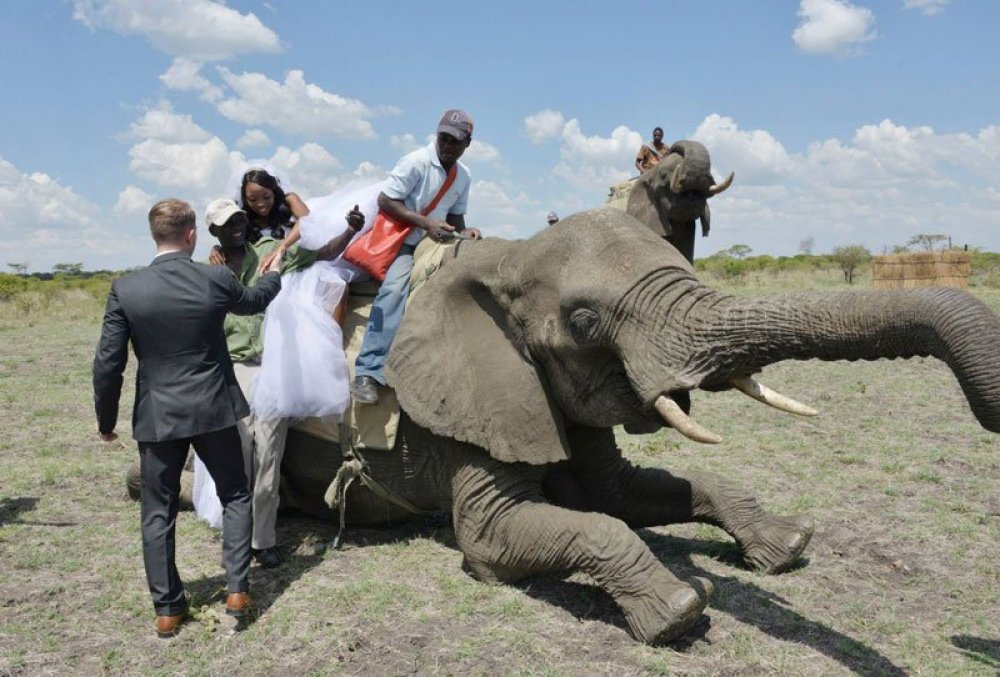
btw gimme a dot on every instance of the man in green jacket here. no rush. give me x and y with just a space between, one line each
263 440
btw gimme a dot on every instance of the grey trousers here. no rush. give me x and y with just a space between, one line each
263 448
160 465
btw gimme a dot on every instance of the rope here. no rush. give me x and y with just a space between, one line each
354 466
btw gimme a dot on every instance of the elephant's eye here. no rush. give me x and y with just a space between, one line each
583 324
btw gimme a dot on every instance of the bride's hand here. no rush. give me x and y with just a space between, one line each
272 261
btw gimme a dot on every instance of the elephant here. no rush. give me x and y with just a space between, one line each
672 195
516 359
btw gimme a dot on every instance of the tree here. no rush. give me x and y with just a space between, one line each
849 258
806 246
926 241
18 268
68 268
738 251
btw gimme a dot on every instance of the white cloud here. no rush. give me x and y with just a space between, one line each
755 155
295 106
834 27
544 125
197 29
592 163
43 222
928 7
310 169
499 210
162 123
480 152
404 143
185 75
133 200
253 138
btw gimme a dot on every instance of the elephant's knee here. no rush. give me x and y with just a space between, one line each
133 480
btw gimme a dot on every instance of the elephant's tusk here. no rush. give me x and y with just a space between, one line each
750 387
675 180
682 423
719 187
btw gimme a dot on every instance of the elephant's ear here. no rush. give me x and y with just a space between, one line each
642 205
460 369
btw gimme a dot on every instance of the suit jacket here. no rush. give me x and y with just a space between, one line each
173 312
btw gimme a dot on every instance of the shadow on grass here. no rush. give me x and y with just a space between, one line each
753 605
12 508
985 651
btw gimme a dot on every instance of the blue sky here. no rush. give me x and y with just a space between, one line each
861 122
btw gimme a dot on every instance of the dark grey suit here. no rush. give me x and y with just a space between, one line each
185 394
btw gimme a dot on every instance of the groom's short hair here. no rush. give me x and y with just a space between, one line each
169 219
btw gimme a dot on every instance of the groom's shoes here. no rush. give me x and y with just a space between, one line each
169 626
365 390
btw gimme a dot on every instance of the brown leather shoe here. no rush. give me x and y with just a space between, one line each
239 604
169 626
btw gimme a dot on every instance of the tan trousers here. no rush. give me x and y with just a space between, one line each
263 448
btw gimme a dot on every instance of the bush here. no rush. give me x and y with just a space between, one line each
11 285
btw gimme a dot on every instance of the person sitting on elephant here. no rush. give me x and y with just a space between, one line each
650 154
413 185
262 434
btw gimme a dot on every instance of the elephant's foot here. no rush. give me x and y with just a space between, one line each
776 542
664 614
133 484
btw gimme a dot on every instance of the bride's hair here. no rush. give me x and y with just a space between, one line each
280 215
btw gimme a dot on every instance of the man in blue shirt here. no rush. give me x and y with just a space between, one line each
412 186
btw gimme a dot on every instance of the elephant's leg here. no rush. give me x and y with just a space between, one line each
645 497
507 531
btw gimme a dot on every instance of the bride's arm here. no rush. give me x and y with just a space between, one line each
336 246
299 210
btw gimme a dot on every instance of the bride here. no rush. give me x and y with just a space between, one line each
303 370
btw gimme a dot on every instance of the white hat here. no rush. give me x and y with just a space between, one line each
551 217
219 211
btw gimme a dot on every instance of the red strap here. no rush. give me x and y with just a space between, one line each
450 179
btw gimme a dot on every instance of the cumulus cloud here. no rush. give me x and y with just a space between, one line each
480 152
294 106
592 163
201 30
500 210
43 222
544 125
310 168
162 123
253 138
928 7
833 27
887 183
133 200
405 143
185 75
755 155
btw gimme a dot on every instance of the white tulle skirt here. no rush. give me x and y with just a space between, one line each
303 369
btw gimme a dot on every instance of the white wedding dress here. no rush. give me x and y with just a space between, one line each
303 369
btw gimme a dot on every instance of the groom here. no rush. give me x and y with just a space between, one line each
185 394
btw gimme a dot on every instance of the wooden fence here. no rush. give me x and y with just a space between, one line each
926 269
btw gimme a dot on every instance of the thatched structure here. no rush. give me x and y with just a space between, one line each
925 269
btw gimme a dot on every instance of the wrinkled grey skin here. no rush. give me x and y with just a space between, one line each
516 359
670 197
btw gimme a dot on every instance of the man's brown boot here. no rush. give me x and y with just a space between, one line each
239 604
169 626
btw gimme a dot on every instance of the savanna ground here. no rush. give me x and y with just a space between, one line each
901 576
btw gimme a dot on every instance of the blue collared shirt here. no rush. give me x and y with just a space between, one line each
418 177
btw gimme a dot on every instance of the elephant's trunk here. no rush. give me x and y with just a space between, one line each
747 334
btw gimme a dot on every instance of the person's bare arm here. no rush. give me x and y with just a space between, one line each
336 246
299 210
398 211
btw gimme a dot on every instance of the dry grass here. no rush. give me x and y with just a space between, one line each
901 576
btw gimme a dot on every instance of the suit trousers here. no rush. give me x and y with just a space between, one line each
160 465
263 449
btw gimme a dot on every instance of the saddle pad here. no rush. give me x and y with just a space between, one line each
618 194
373 426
